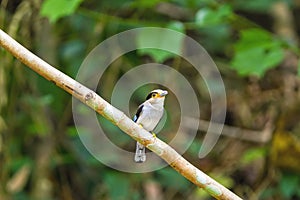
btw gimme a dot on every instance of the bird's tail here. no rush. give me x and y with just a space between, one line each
140 155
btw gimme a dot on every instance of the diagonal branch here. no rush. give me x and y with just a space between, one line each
117 117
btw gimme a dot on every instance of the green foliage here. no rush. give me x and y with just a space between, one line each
145 3
118 185
213 22
36 106
163 41
256 52
172 179
253 154
71 54
55 9
19 162
37 125
221 178
289 185
207 17
115 134
254 5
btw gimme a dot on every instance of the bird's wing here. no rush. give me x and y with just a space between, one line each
138 113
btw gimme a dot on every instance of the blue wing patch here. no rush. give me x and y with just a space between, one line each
138 113
135 118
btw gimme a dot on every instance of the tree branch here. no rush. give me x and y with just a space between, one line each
94 101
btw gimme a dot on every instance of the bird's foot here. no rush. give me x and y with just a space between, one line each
154 135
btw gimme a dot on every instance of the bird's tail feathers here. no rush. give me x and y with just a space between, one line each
140 153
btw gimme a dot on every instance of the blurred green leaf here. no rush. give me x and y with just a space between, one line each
170 178
176 26
72 131
55 9
118 185
21 196
256 52
194 147
207 17
268 193
38 102
289 185
18 162
202 194
72 53
37 125
222 179
216 38
38 128
194 3
254 5
253 154
145 3
116 135
81 151
162 41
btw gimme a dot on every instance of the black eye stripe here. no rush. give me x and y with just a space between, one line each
150 95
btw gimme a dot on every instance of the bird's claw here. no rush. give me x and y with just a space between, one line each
154 135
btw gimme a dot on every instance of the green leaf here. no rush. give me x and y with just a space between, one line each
252 38
55 9
117 184
145 3
72 131
115 134
254 5
176 26
162 41
18 162
289 185
253 154
172 179
223 179
207 17
256 52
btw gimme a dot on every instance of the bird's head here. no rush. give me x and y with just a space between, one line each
157 96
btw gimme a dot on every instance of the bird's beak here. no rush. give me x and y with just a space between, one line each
164 93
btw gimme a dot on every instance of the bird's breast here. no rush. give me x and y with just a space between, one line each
150 118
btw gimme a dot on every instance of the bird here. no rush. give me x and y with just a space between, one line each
148 116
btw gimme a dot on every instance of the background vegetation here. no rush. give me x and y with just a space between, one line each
255 45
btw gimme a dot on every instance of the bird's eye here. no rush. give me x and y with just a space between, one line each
153 95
